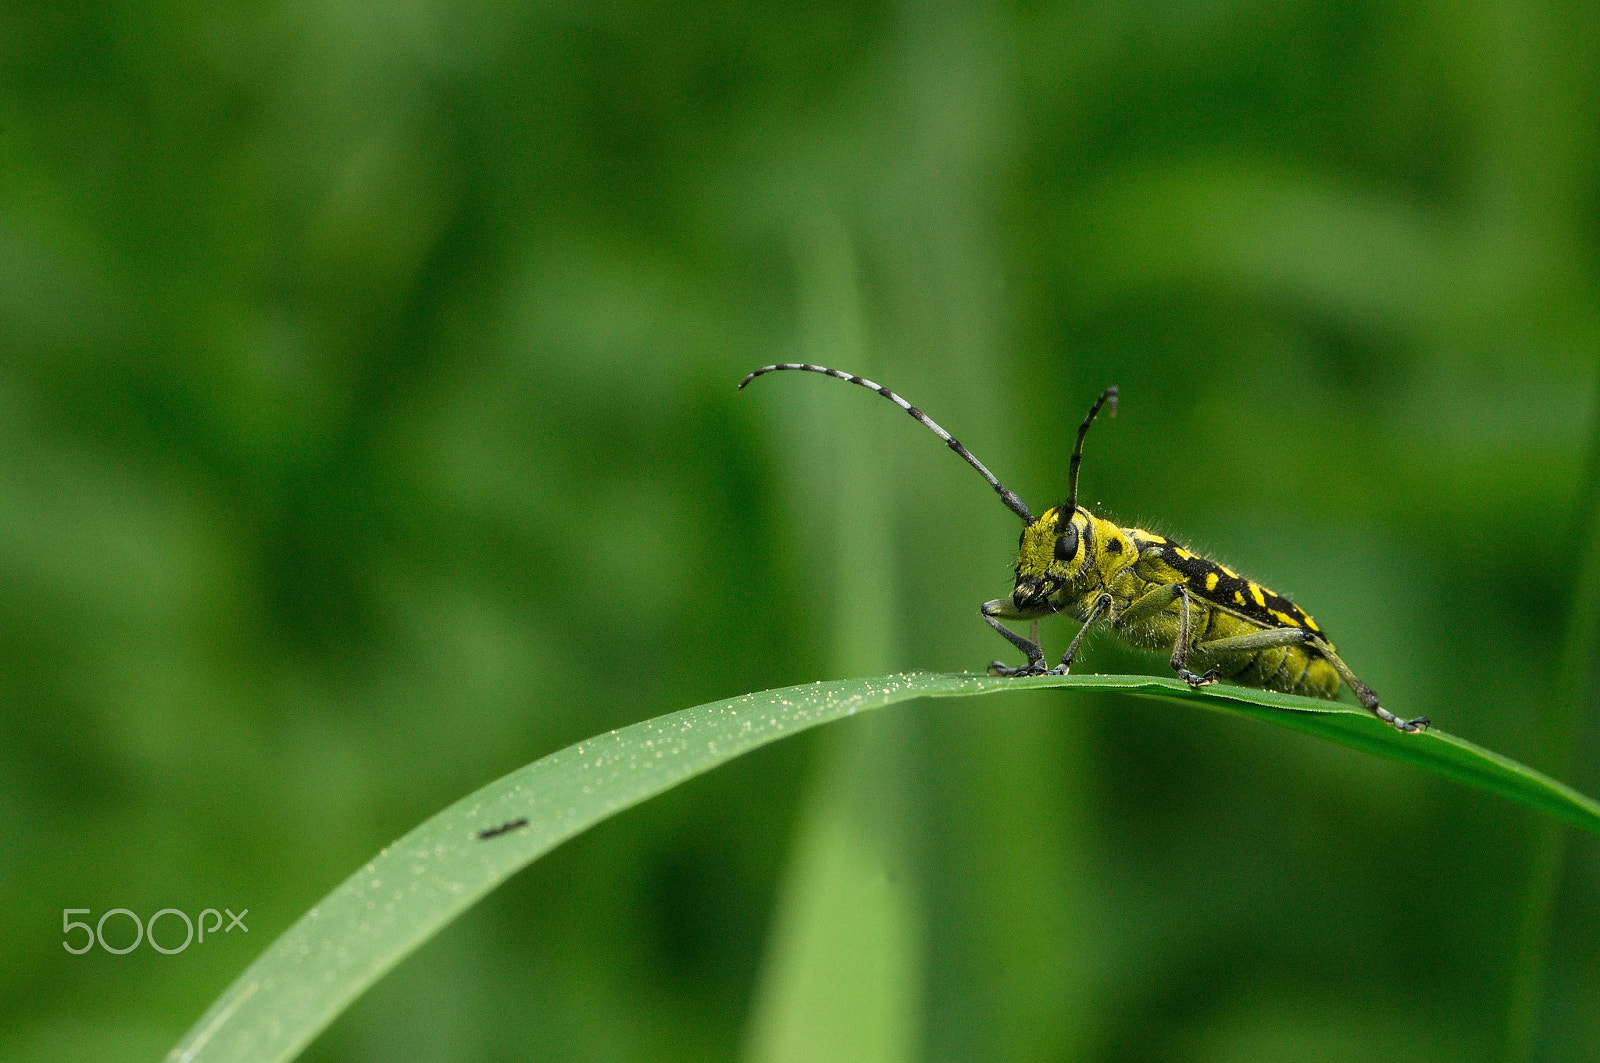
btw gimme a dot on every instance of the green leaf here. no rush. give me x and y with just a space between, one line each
415 886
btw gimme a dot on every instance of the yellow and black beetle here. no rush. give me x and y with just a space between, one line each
1153 592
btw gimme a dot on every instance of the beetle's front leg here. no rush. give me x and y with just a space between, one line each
1006 608
1101 604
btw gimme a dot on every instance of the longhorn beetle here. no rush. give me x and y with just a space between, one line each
1152 591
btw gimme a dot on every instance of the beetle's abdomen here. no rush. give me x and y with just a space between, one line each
1237 605
1291 669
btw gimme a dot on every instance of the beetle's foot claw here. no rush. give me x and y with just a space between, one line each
1031 668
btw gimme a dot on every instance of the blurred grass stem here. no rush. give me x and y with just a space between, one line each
841 976
1573 712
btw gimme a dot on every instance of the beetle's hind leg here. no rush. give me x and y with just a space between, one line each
1365 694
1289 636
1030 647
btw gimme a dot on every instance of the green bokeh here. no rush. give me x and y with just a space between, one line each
367 429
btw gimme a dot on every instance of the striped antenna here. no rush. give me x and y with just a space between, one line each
1012 502
1108 395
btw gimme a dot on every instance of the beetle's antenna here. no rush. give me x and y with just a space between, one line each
1012 502
1108 395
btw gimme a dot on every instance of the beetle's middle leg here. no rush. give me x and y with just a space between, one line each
1154 602
1180 652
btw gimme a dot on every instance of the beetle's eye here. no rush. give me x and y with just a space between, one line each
1067 545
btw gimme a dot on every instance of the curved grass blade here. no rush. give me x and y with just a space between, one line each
415 886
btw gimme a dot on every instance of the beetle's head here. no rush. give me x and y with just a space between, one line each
1051 554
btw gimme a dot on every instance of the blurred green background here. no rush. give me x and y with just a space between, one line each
368 429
